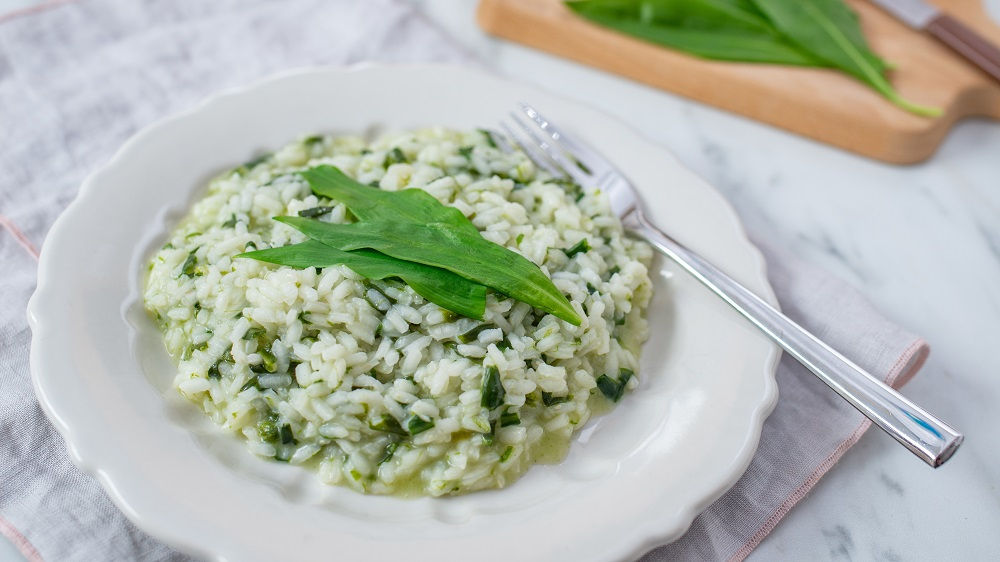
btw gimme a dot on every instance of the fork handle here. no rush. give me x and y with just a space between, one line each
923 434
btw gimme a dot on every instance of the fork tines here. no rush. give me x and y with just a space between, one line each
548 147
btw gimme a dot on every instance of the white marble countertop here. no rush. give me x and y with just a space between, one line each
922 242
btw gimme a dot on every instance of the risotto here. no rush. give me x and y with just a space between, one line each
367 382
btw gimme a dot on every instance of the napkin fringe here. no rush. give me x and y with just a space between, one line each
19 236
909 362
32 9
22 544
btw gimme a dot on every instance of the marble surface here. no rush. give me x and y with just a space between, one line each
922 242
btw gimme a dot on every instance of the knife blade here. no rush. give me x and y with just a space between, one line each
960 38
914 13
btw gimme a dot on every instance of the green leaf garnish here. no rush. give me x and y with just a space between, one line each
443 245
190 263
608 386
253 333
415 424
492 389
267 427
489 137
411 235
437 285
509 418
394 156
614 389
506 453
413 211
315 212
583 246
268 360
390 449
286 434
388 424
549 400
409 205
213 371
472 334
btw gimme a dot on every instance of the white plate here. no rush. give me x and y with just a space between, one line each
634 478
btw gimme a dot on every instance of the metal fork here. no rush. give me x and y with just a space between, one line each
923 434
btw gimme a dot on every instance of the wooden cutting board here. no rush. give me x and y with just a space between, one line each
821 104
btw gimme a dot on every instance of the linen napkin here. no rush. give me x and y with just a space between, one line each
78 78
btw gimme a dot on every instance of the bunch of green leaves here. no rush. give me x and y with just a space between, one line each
816 33
410 235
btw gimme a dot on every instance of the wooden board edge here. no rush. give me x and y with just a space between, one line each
885 144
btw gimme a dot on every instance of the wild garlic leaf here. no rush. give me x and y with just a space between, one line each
412 213
442 245
747 38
819 33
733 15
371 204
840 15
829 30
729 15
439 286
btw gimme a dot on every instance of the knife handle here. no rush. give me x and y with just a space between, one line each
967 43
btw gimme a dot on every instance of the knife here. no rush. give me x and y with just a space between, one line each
924 17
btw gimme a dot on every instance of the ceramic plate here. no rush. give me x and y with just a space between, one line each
634 478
